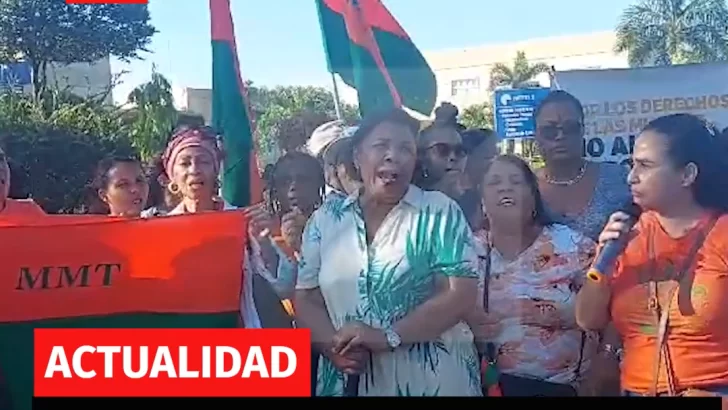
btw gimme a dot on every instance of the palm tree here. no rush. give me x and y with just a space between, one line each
477 116
517 76
666 32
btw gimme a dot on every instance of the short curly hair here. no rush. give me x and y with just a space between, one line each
292 132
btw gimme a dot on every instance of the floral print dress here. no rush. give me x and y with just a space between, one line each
426 234
531 306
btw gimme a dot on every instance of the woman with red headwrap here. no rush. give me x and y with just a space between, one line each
192 163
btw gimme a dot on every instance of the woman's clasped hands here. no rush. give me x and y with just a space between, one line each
352 344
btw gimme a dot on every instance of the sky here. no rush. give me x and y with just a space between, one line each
279 41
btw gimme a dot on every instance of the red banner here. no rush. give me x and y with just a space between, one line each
73 266
172 362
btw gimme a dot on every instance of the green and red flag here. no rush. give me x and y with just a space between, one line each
371 52
99 272
231 114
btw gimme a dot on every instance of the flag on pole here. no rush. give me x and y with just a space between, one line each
231 114
371 52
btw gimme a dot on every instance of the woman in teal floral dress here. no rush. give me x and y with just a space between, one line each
387 275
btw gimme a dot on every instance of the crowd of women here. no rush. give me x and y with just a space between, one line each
425 264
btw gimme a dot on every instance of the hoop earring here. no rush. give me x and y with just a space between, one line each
276 206
173 188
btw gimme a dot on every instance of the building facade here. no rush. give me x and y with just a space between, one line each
82 79
194 100
463 75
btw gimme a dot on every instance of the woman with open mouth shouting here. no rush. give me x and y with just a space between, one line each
387 275
441 164
441 154
15 210
192 163
531 272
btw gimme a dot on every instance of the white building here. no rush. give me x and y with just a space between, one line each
194 100
82 79
463 75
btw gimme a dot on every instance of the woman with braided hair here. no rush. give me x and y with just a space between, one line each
295 189
295 186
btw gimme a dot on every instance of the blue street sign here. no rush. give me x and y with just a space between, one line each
514 111
15 74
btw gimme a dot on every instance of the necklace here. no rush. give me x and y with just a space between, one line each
579 175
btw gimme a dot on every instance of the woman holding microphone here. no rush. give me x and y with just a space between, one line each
667 290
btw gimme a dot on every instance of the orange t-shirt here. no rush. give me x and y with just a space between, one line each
698 321
19 211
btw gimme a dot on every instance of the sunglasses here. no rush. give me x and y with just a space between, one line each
445 150
569 129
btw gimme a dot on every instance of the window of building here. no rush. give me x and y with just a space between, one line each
465 86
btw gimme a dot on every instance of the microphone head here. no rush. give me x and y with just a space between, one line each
633 210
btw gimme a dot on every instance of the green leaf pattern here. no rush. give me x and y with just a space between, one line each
426 234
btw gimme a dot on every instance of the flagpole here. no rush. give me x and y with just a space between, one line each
337 103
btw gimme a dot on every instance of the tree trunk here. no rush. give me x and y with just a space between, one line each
39 78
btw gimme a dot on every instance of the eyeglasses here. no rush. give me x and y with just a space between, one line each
445 150
569 129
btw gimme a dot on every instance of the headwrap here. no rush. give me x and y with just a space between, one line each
349 131
323 136
191 137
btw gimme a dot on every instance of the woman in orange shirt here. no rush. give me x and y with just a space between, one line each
14 209
666 294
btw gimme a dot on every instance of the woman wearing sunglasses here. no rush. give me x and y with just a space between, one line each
580 194
441 154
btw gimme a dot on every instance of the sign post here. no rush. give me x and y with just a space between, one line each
514 111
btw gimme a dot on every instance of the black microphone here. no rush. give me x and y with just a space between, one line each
604 263
351 388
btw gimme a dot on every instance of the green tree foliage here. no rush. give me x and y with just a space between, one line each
666 32
518 75
153 116
54 147
477 116
45 31
291 113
